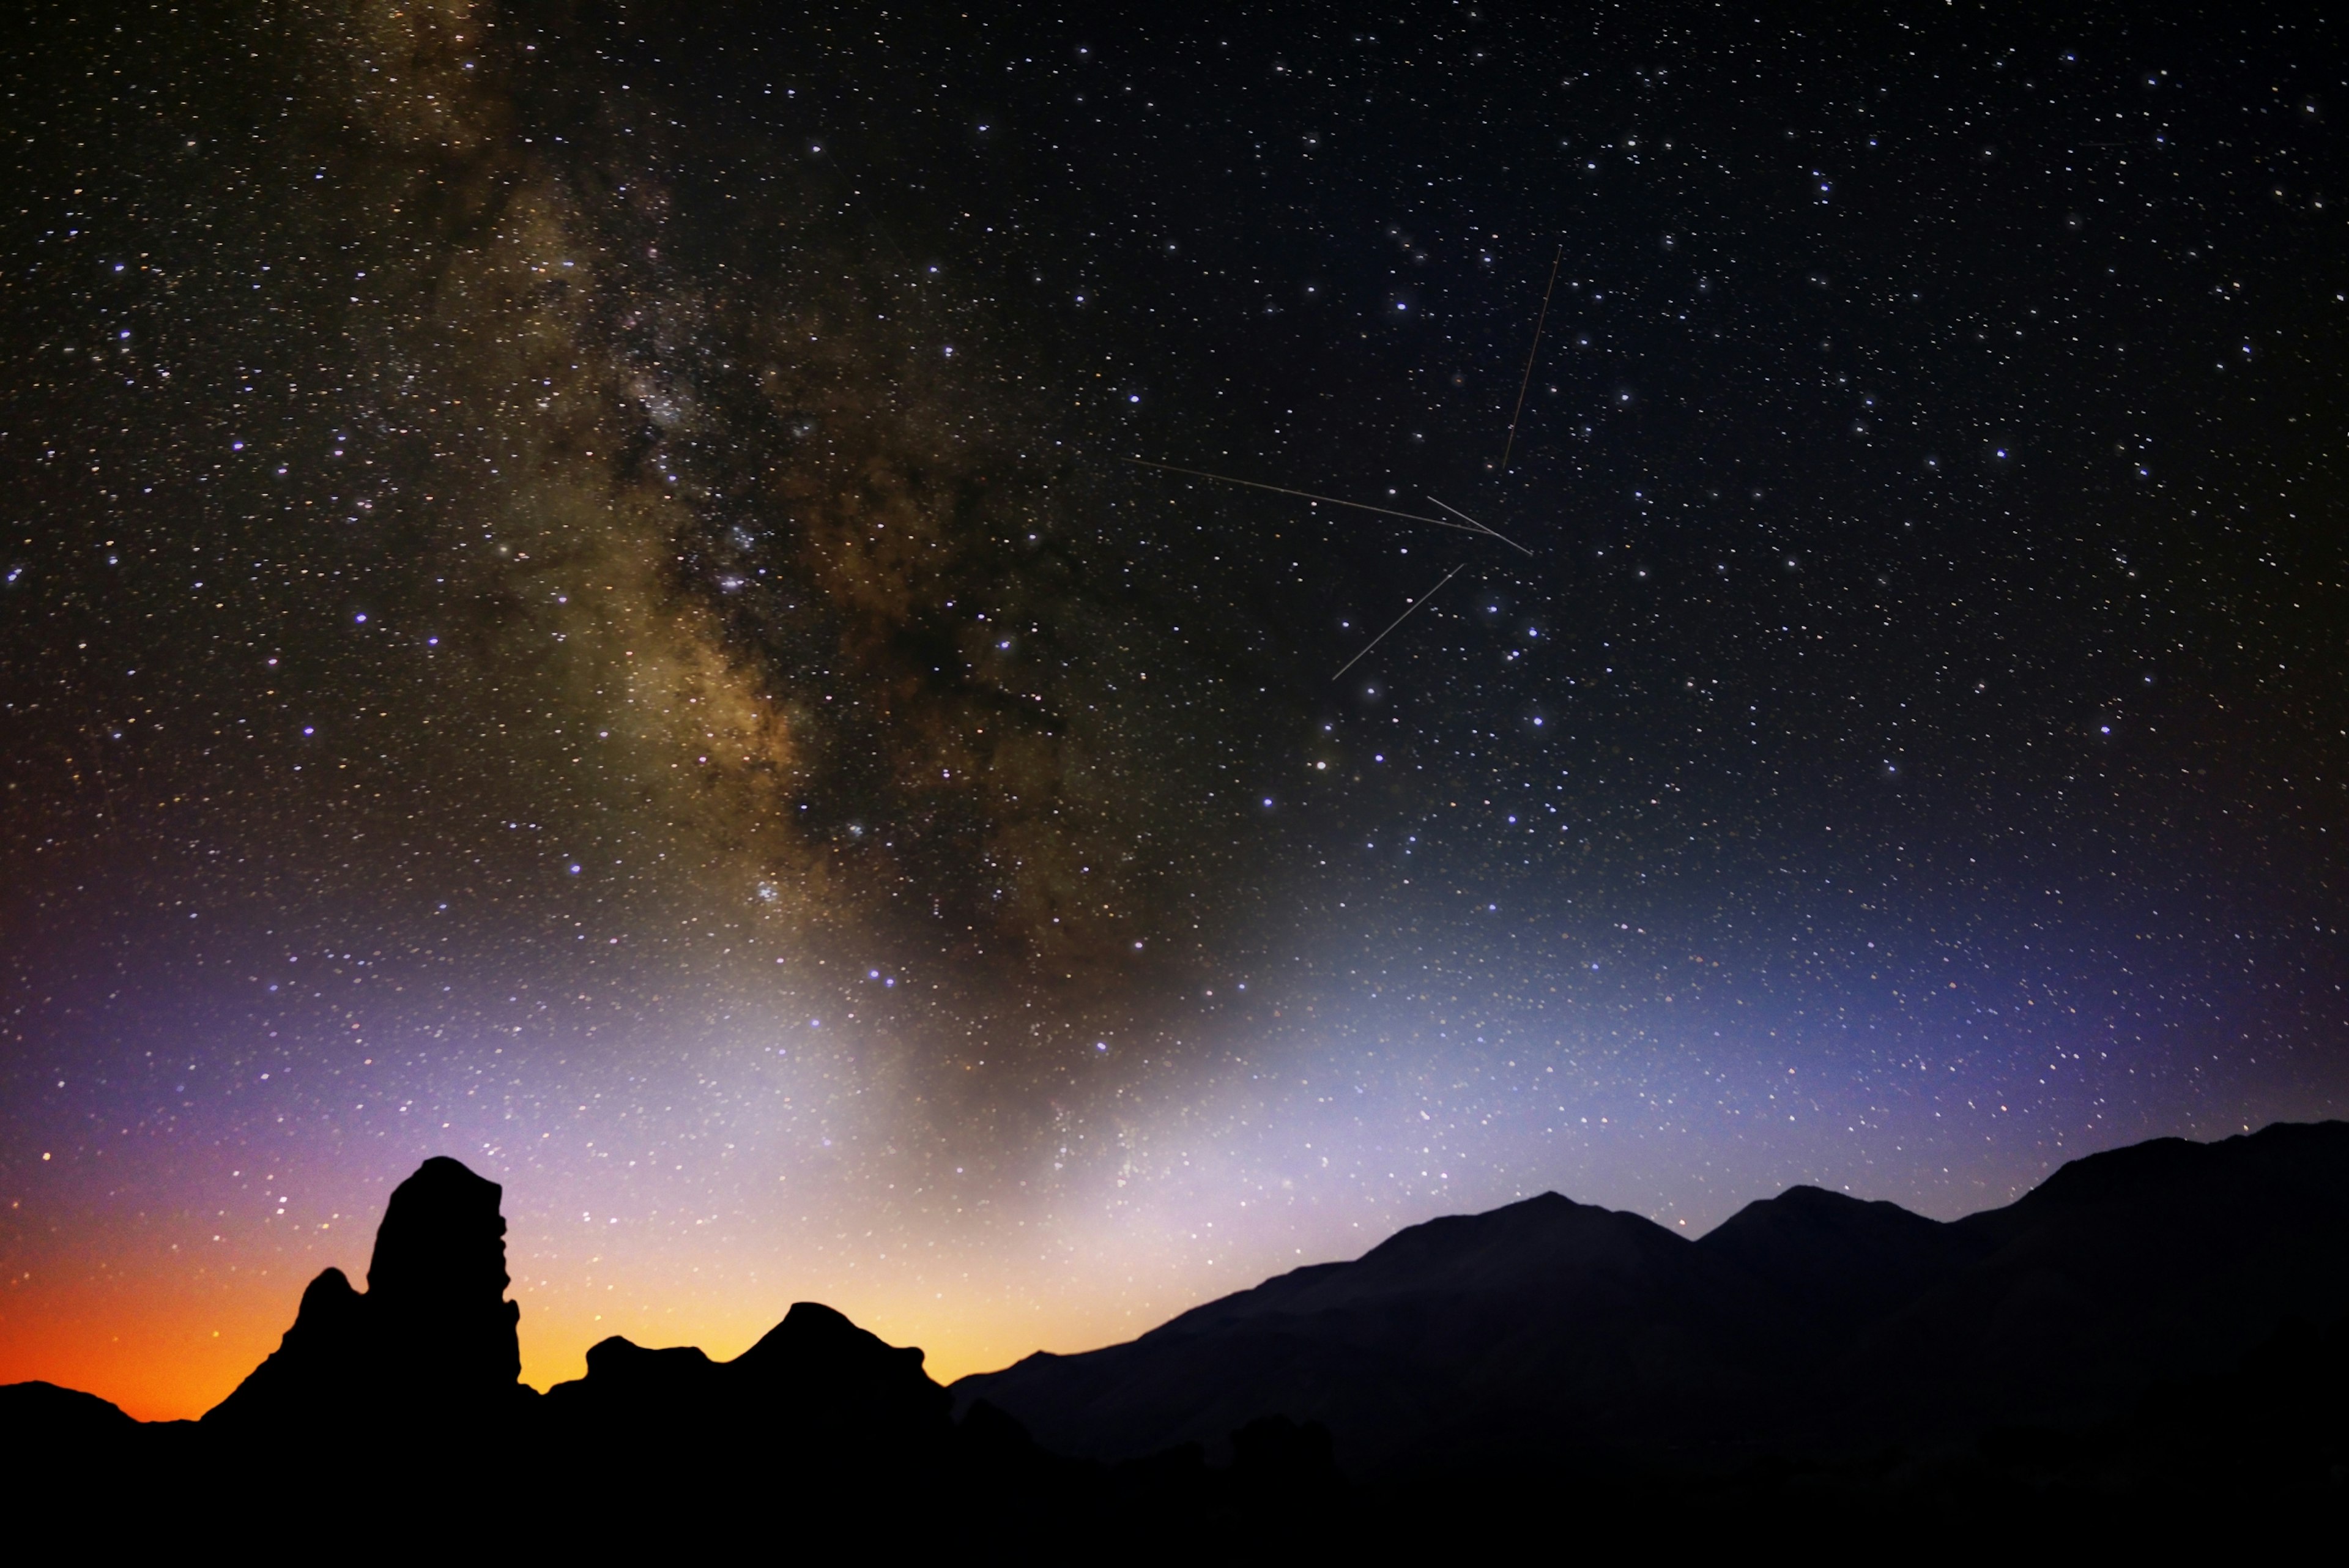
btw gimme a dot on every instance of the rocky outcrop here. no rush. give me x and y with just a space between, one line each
816 1394
432 1339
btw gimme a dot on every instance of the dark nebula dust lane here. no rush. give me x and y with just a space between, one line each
624 592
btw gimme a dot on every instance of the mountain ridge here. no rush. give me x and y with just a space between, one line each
1815 1318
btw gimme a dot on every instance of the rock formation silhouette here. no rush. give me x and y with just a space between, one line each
816 1397
431 1341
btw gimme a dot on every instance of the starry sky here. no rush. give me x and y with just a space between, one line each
577 592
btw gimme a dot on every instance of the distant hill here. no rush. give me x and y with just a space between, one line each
1806 1322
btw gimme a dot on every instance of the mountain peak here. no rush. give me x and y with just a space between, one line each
1842 1260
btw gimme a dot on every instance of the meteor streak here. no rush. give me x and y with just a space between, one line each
1491 533
1527 379
1399 620
1469 527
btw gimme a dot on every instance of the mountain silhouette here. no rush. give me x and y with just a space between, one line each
1841 1262
2134 1343
2167 1259
1549 1329
1464 1331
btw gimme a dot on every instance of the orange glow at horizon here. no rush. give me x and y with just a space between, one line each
160 1344
167 1343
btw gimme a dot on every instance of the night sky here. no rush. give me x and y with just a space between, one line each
574 597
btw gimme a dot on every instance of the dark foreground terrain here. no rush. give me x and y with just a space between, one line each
2150 1345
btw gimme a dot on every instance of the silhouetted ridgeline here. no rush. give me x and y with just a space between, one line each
1809 1322
2136 1342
